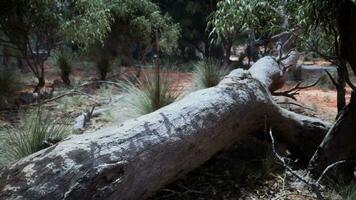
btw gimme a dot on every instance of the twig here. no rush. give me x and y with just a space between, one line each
330 167
314 186
88 115
65 94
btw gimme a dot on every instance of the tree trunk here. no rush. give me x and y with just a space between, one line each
135 159
340 88
41 83
339 143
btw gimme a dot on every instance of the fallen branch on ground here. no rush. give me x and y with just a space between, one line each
314 185
291 93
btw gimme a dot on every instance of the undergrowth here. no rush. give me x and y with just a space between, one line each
64 62
8 86
37 131
146 95
208 74
228 175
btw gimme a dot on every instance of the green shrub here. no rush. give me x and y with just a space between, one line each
208 74
348 192
103 65
36 132
8 86
297 74
64 60
147 95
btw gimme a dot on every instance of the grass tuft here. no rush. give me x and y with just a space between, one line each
208 74
348 192
38 131
147 95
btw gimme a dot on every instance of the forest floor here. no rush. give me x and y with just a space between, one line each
242 172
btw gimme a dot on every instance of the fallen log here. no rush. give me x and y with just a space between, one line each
135 159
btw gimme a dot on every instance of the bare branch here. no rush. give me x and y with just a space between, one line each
330 167
314 186
331 78
291 93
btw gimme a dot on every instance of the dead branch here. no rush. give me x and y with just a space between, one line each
291 93
72 92
295 104
331 78
314 186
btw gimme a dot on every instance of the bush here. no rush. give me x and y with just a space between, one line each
208 74
297 74
148 95
8 86
348 192
103 65
64 60
38 131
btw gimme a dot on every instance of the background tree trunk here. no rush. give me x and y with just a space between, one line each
135 159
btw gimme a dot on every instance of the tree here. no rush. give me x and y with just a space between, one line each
132 32
192 16
259 19
35 27
338 18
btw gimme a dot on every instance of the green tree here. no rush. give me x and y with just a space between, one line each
232 19
192 16
33 28
132 32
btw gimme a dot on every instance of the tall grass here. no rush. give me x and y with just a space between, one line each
147 95
208 74
348 192
36 132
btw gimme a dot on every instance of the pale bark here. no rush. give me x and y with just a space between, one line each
135 159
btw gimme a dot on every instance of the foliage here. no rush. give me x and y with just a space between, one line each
140 96
208 74
348 192
36 27
71 103
37 131
64 62
8 85
233 17
192 17
103 65
133 31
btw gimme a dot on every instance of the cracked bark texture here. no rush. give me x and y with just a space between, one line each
135 159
